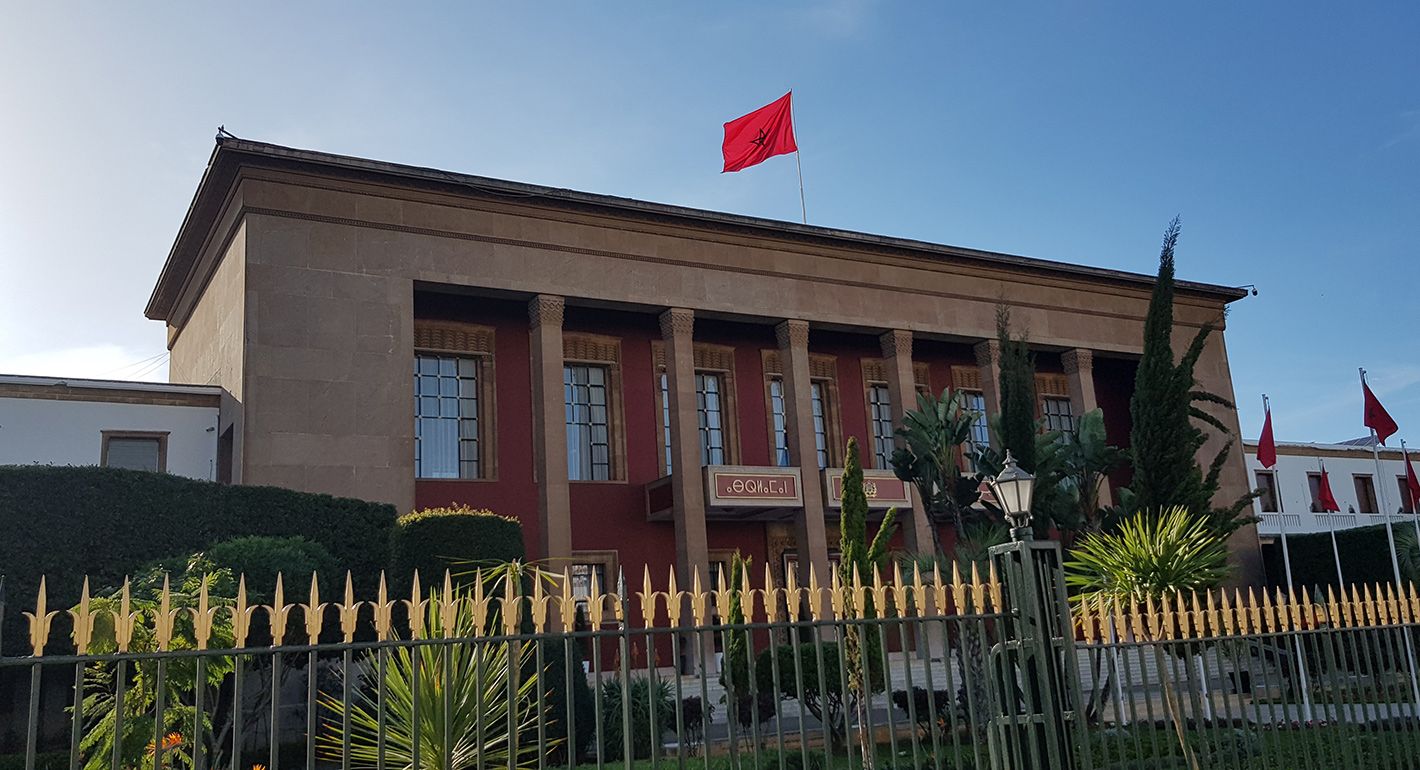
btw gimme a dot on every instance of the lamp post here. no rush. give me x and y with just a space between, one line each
1013 489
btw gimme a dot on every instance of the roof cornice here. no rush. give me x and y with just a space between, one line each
230 155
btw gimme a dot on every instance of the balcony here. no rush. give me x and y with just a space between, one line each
1272 524
736 492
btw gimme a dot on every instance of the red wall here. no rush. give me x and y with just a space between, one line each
612 515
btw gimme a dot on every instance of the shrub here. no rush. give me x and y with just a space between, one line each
66 522
645 734
261 557
924 706
458 539
1363 557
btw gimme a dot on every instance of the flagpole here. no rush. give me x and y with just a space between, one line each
1331 527
1394 559
798 159
1414 503
1287 571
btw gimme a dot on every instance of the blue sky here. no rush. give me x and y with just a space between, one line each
1287 135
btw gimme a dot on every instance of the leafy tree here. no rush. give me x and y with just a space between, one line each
934 435
734 677
1165 439
860 560
1086 458
822 693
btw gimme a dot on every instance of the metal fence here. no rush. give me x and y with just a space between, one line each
973 668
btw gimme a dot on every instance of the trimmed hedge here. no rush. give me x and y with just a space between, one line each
66 522
1365 557
457 539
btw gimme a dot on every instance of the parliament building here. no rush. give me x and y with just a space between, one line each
640 384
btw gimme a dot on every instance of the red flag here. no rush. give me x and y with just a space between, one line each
760 135
1266 447
1412 485
1324 496
1375 416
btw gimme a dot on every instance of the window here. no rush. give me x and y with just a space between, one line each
779 421
1366 494
584 389
134 450
819 400
582 576
1267 485
666 419
446 437
709 391
880 416
1059 416
1406 505
975 402
1314 486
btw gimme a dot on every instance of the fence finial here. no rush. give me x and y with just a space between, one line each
349 610
126 619
84 618
40 620
313 614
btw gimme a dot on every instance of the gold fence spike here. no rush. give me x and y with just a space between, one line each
596 603
675 599
978 590
1168 622
903 600
1227 613
1333 609
816 606
566 603
40 620
746 595
416 605
384 611
837 597
1411 602
647 596
1268 618
204 615
858 595
126 619
939 588
1254 611
512 604
314 613
349 610
241 614
84 618
1284 618
993 585
699 600
958 589
538 605
1185 617
1200 616
1368 605
1384 603
1215 625
279 612
793 594
1086 620
880 593
478 603
773 597
1121 622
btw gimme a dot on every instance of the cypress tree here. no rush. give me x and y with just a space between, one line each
1017 425
1165 439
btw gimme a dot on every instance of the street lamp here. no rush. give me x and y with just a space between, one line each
1013 489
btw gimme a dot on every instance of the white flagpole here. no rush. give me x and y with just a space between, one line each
1414 504
798 159
1394 560
1287 570
1331 528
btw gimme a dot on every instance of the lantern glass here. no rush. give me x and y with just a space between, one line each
1014 489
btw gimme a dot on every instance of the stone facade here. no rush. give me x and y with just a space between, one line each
307 318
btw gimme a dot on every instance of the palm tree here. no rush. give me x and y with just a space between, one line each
934 436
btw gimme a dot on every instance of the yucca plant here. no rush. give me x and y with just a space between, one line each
486 727
1153 557
1148 556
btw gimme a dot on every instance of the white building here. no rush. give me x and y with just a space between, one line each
1289 490
140 425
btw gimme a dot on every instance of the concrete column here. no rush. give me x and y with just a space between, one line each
810 531
687 480
988 361
1080 371
902 385
550 430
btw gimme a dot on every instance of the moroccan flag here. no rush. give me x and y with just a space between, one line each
1375 416
1266 447
1412 485
760 135
1324 496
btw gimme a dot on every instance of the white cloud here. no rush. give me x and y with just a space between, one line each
96 361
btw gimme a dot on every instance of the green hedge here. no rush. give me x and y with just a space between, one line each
66 522
1365 557
456 539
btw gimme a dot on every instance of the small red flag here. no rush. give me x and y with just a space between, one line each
760 135
1412 485
1324 495
1375 416
1266 446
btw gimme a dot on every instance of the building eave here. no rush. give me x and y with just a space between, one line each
230 155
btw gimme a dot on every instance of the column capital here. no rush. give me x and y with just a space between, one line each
897 342
545 310
677 322
1078 360
988 352
792 334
